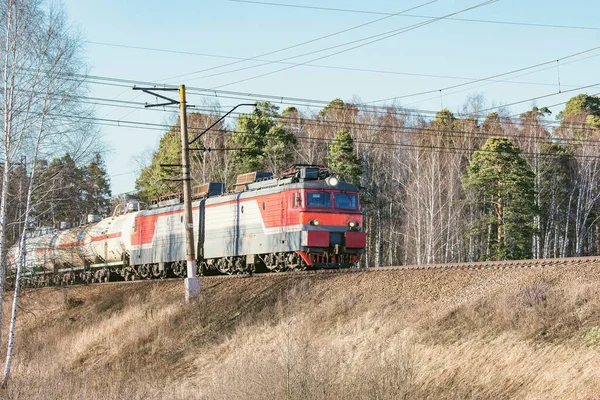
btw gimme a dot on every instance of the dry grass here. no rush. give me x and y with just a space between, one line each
527 334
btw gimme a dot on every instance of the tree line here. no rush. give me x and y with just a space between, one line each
452 188
65 192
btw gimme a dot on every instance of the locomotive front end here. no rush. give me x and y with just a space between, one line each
332 223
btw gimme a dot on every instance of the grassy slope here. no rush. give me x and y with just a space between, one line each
531 334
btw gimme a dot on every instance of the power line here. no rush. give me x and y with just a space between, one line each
376 38
388 145
486 78
303 43
358 125
333 67
539 97
301 102
491 82
235 95
445 149
559 104
307 122
530 24
132 105
310 122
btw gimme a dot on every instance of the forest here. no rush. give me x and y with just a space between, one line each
439 188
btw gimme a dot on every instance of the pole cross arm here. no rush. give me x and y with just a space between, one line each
221 119
150 91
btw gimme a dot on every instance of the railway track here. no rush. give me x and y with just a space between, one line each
549 262
487 265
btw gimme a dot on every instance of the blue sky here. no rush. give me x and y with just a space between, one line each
448 51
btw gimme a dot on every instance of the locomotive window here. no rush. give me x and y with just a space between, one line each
317 199
345 200
263 205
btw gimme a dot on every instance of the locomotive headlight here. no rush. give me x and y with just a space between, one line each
332 181
315 222
352 224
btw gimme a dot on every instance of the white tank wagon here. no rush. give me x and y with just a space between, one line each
44 254
107 241
87 253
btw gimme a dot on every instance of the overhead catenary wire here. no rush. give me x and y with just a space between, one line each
551 62
452 150
333 67
320 103
492 81
313 122
346 10
360 125
400 111
540 97
395 145
236 95
154 126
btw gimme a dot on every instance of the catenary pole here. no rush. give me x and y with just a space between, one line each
192 285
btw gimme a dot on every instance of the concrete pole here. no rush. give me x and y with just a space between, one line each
192 285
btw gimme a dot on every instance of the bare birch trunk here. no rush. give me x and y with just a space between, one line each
7 148
22 247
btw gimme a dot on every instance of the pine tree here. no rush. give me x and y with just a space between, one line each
97 187
151 182
503 188
66 197
342 159
266 144
583 104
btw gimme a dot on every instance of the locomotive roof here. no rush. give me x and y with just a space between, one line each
306 184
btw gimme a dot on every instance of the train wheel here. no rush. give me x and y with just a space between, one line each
145 271
239 265
202 268
223 266
179 269
295 262
275 262
157 273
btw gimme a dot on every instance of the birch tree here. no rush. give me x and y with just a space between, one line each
41 60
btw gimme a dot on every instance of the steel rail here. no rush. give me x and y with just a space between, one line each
477 266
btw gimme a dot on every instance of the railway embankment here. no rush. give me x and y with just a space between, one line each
463 334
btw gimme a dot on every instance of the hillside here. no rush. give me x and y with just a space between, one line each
512 333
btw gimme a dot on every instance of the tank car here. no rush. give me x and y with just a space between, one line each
88 253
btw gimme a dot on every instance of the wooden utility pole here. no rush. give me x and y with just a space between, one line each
192 285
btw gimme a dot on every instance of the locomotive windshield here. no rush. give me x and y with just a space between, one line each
318 199
345 200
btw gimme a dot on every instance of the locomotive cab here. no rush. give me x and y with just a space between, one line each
331 223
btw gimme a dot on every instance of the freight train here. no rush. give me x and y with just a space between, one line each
306 218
